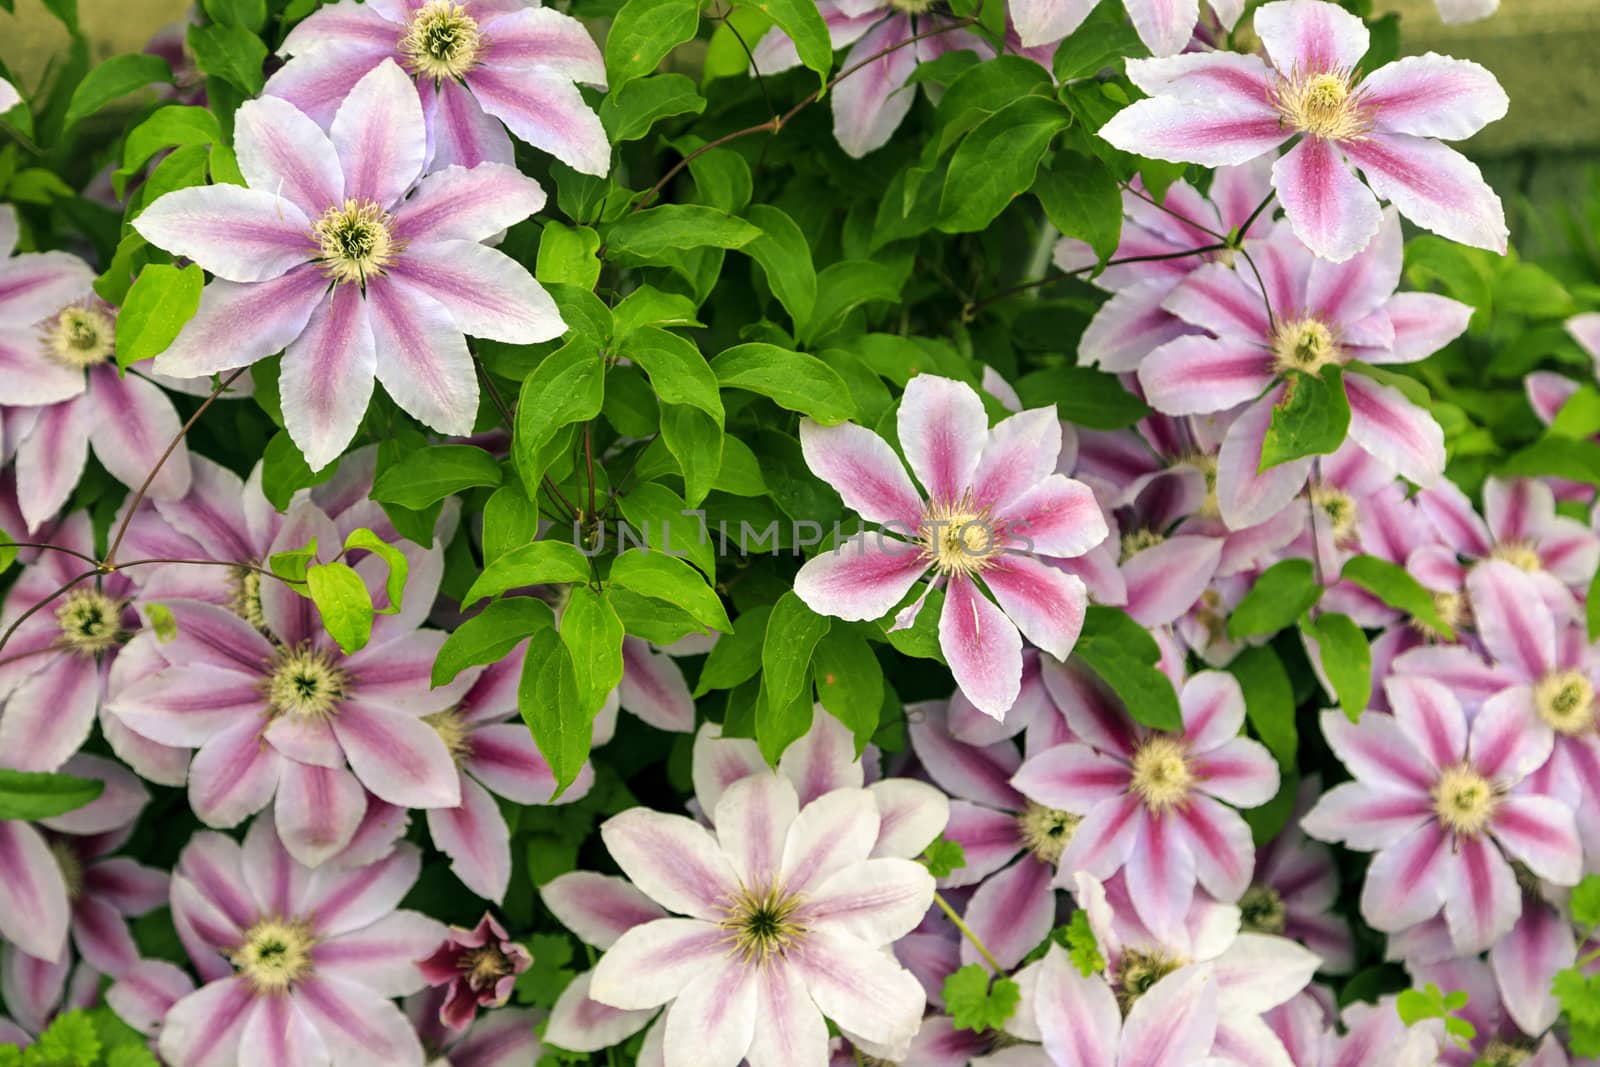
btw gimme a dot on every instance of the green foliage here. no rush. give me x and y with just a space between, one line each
1311 419
30 795
643 32
977 1005
1124 655
429 475
943 857
1268 701
1417 1005
1392 585
1280 595
163 298
111 80
1082 945
1346 659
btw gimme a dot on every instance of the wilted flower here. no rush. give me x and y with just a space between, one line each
1222 108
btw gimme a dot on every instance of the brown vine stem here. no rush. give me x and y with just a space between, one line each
52 548
970 311
110 562
1186 220
777 122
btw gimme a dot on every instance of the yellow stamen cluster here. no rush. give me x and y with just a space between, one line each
79 336
1339 507
1307 344
453 730
305 684
1161 774
1046 832
353 241
1138 971
1502 1053
1261 910
1322 105
958 537
443 41
275 954
1565 700
1464 800
1454 610
761 923
90 621
1136 541
1519 554
485 967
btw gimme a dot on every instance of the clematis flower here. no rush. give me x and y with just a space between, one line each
1322 314
62 388
58 657
1220 109
993 504
1366 1034
1294 889
1155 804
58 878
652 687
1132 323
281 712
599 909
298 965
869 105
477 64
324 256
503 1038
36 1005
476 969
1498 1038
1435 799
787 921
1165 28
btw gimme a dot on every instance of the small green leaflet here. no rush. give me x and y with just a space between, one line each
943 857
27 796
1311 419
1281 594
163 298
976 1005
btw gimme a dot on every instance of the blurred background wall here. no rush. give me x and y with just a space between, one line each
1545 52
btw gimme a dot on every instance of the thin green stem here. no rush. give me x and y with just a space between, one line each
968 933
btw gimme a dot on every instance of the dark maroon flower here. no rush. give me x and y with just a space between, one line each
480 966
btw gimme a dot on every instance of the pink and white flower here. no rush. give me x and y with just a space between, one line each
1321 314
1165 28
1155 805
58 878
1498 1038
1365 1034
503 1038
1436 799
298 965
477 64
474 969
1294 891
787 920
1221 109
994 503
325 257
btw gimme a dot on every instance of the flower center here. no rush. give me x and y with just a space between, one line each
306 684
353 241
1046 832
244 598
1340 509
80 336
71 868
1464 800
442 42
958 538
453 731
1138 971
1139 540
762 922
485 967
1261 910
275 954
1305 345
1453 610
1161 774
1519 554
1565 700
1502 1053
91 622
1322 105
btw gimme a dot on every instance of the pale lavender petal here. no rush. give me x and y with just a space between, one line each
982 646
672 859
204 1029
384 955
356 1024
1012 912
283 152
653 963
831 834
398 757
317 811
1328 207
1167 579
1434 186
50 459
238 234
877 900
36 284
580 1023
475 837
275 1032
1434 96
1408 880
487 293
543 37
869 106
238 324
1165 26
861 989
546 110
1172 1023
379 136
1482 901
942 429
1538 946
233 776
34 911
598 908
789 1027
460 133
823 760
318 81
326 378
1309 37
863 578
423 361
460 204
865 472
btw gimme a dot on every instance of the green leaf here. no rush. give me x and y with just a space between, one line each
849 683
1346 660
736 657
593 635
974 1004
675 227
984 89
539 563
1310 420
8 551
629 112
1268 701
846 285
510 520
547 697
943 857
785 258
1083 396
1280 595
642 34
568 387
250 14
111 80
802 21
1579 417
27 796
490 635
567 254
69 1041
162 300
1101 41
1591 603
428 475
291 565
677 370
1560 457
792 380
1083 946
1585 901
657 514
1124 655
997 161
231 53
695 441
168 127
665 578
393 558
1392 585
1081 197
342 599
793 631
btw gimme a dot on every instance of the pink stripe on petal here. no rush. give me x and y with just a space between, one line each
1429 715
1513 621
475 837
1434 96
239 234
1072 778
1167 579
1328 207
582 1024
356 1024
459 204
379 136
1175 1022
674 861
864 470
1213 710
326 378
1241 772
51 714
652 963
1432 185
282 151
543 37
1389 426
598 908
1165 26
862 990
1163 867
869 105
50 460
1012 912
33 898
1217 133
982 646
233 775
1541 833
863 578
1377 751
1078 1014
789 1027
943 430
423 360
461 133
238 324
1105 838
1046 604
487 293
990 839
823 760
41 282
1244 79
1057 517
317 82
1407 881
317 810
546 110
398 757
204 1029
1309 37
1366 817
1537 947
1482 901
1220 842
753 819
